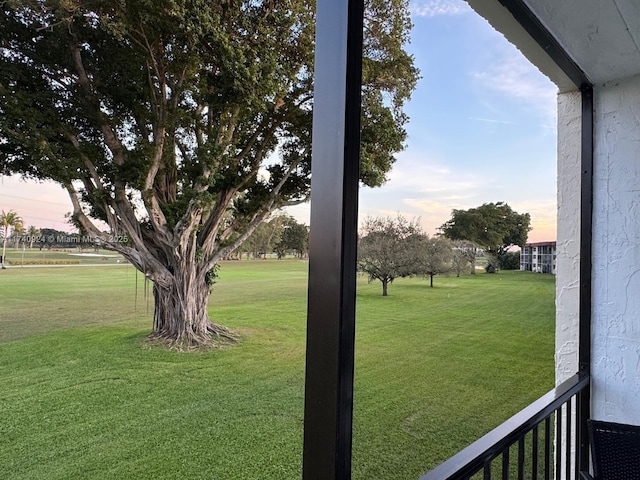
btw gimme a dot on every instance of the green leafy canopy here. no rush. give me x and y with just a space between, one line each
183 123
493 226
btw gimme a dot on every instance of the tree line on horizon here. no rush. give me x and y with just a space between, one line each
391 248
281 235
388 248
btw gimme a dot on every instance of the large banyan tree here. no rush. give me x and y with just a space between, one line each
182 124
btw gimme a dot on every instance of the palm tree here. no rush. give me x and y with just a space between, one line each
8 220
32 232
18 234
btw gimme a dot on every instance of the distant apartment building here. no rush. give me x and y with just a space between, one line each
538 257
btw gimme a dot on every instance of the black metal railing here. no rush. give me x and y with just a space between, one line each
523 446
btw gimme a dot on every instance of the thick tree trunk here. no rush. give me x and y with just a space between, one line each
431 280
180 317
385 282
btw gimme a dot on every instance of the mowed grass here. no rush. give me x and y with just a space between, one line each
81 396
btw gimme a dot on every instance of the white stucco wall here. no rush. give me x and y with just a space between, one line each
616 248
610 51
616 253
568 243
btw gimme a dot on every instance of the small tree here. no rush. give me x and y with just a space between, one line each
294 238
385 249
433 256
464 251
8 220
509 261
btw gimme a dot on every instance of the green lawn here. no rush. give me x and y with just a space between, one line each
82 397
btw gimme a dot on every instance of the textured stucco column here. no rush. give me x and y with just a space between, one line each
568 246
616 253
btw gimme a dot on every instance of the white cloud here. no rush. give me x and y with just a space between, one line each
425 176
432 212
513 75
432 8
422 187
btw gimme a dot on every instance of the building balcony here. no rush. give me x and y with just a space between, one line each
546 440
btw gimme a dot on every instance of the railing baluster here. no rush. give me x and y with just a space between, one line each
477 460
582 435
534 453
521 458
568 442
558 443
487 470
547 448
505 464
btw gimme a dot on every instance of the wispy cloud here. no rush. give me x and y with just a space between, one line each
423 187
432 212
513 75
427 176
432 8
491 120
419 186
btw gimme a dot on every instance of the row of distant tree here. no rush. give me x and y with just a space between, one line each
391 248
15 234
282 235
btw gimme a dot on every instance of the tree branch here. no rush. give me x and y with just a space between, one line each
79 215
112 141
207 236
268 207
226 131
87 162
223 252
187 224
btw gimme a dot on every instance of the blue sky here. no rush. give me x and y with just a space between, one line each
482 129
483 126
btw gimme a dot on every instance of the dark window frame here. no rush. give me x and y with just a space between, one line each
333 232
